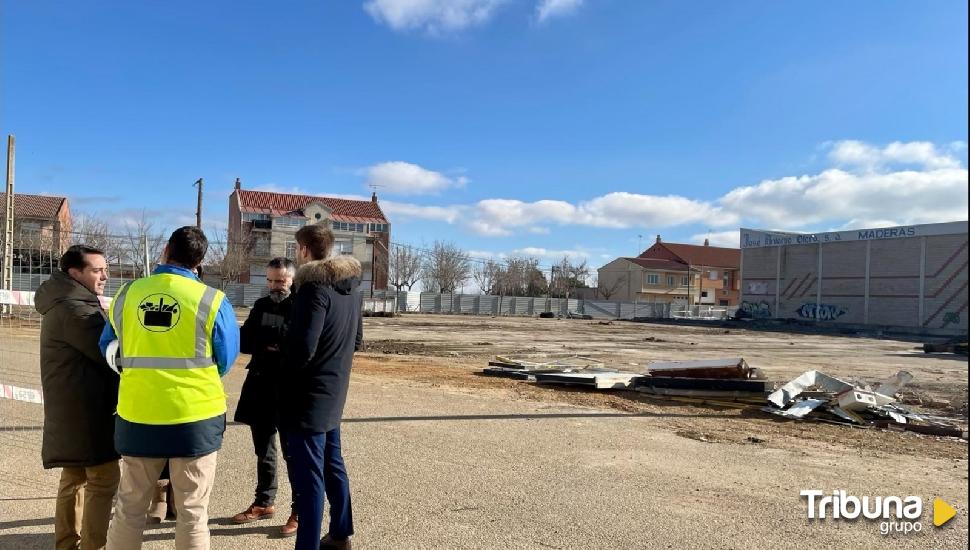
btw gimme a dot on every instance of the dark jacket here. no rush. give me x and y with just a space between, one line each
262 337
325 330
80 390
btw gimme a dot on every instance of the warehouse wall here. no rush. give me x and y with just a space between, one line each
897 293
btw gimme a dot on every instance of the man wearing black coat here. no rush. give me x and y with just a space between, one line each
325 330
80 397
262 338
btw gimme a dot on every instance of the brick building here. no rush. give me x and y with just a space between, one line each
912 277
42 231
265 224
675 273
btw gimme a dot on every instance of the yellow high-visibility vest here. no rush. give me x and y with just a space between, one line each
164 324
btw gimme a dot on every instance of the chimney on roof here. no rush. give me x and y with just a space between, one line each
658 238
707 242
238 184
373 197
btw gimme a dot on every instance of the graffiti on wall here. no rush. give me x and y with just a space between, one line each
951 317
820 312
757 310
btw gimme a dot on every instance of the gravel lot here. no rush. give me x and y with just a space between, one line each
441 458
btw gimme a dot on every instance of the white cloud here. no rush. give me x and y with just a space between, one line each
447 214
549 254
867 189
919 153
623 209
433 16
555 8
277 188
404 178
728 239
836 196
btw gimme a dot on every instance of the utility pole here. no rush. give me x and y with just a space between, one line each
7 282
198 210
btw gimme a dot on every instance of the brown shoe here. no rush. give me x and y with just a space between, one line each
289 529
254 513
330 543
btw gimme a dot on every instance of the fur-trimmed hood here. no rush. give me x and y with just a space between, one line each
342 272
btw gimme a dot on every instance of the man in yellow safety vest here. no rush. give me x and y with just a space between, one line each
176 338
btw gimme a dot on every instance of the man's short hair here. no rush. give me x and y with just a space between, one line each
73 258
282 263
318 240
187 246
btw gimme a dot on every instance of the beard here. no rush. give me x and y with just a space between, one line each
278 295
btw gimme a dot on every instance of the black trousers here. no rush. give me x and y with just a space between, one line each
264 443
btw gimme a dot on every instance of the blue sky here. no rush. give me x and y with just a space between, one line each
509 127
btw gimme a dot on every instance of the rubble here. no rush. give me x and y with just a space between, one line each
819 396
734 368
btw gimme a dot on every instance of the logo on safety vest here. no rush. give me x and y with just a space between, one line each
159 312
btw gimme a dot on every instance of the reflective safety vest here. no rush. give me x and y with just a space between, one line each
164 324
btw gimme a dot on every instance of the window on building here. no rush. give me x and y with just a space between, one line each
704 294
291 250
343 247
653 279
685 280
261 247
712 275
727 280
30 227
354 227
671 280
253 216
290 222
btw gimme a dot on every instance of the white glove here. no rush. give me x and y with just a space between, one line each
111 354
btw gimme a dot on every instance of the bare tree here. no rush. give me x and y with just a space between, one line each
138 233
93 231
567 276
487 275
446 268
227 258
606 290
521 277
405 267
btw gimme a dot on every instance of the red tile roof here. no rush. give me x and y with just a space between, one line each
344 210
33 206
707 256
656 263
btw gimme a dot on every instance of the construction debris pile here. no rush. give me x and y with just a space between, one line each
812 396
727 379
828 399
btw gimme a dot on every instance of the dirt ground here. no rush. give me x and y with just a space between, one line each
442 457
426 341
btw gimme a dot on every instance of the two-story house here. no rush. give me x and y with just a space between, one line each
717 270
265 223
41 233
674 273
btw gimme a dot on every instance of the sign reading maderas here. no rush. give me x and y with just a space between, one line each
755 238
895 514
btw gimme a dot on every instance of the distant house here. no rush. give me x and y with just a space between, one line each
266 223
675 273
41 233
